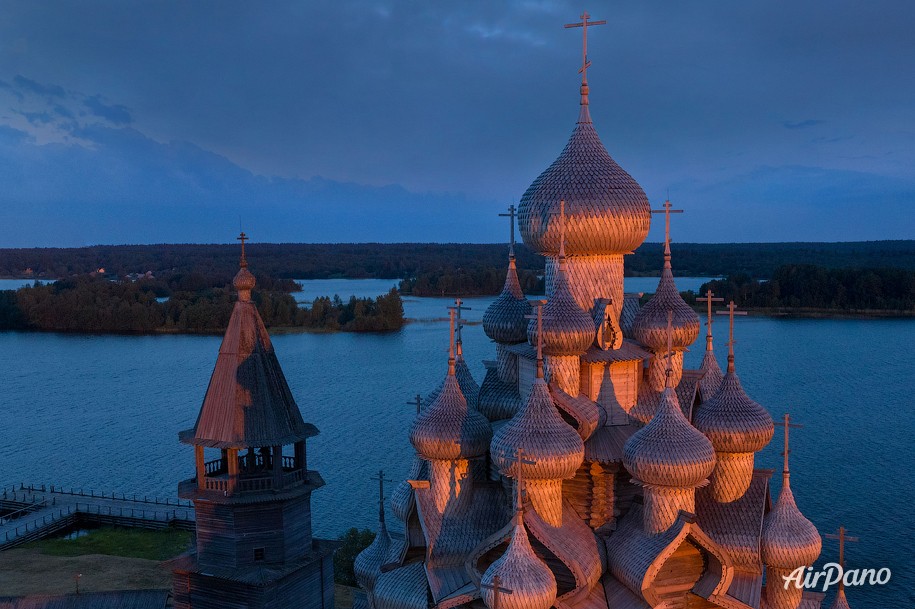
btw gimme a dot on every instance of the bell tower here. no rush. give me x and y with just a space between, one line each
252 486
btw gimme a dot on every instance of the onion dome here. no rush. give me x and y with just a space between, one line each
711 373
244 281
504 320
402 500
669 451
788 540
539 431
520 570
650 324
367 566
448 429
611 212
567 328
732 420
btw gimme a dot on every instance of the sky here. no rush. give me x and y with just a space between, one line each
327 121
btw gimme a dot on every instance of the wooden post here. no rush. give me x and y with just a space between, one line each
232 459
201 466
300 462
277 467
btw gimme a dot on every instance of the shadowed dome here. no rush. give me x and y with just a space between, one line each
567 328
367 565
650 324
669 451
545 438
520 570
788 540
504 320
732 420
607 211
449 429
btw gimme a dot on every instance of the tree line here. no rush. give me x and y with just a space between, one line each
184 304
435 268
807 286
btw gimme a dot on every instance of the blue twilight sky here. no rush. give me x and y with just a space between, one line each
153 121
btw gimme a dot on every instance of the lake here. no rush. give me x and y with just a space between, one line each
103 412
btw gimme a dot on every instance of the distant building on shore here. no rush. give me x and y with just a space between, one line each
589 469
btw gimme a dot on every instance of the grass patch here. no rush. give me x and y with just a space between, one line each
114 541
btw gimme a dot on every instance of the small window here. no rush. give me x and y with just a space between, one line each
258 554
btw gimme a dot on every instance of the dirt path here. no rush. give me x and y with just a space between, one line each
27 571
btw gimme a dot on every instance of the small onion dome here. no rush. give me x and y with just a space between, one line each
732 420
520 570
402 500
788 539
448 428
544 437
567 328
504 320
607 211
650 324
711 375
244 281
367 566
669 451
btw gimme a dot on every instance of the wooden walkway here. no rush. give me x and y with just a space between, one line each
29 512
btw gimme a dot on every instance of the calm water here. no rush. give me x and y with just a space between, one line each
103 412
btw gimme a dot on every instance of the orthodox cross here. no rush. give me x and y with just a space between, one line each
668 209
584 25
670 348
458 322
539 317
842 538
731 312
519 476
451 341
381 480
417 401
787 425
243 237
497 589
511 215
709 299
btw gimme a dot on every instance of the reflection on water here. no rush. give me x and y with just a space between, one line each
104 412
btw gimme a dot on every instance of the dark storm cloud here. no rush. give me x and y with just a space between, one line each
479 97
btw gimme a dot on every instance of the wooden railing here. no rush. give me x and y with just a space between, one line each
248 483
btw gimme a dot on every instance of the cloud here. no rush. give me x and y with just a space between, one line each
35 87
117 114
810 122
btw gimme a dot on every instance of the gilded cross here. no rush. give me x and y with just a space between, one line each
709 298
511 215
788 425
538 304
667 210
731 312
243 237
584 25
381 480
842 538
497 589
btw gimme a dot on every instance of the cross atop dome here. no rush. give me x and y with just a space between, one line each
731 312
585 64
511 216
668 209
243 263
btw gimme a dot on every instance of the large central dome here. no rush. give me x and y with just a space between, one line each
607 211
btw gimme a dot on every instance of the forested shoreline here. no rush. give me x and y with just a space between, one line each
184 304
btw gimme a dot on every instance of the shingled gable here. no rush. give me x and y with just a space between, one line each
248 402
